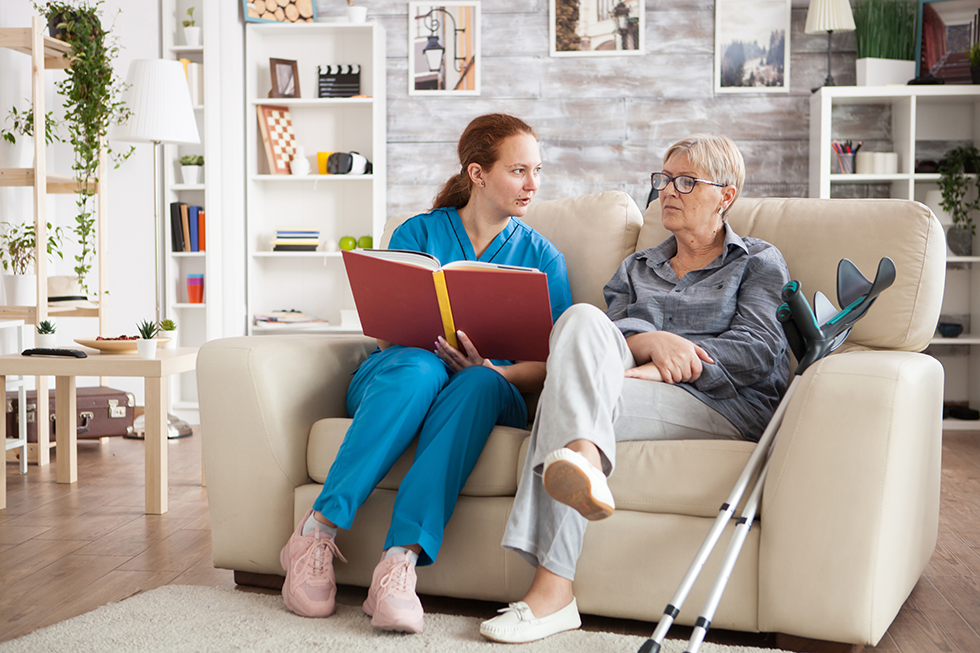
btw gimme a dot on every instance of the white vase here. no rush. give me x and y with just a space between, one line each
884 72
190 174
172 343
46 340
300 165
20 289
146 348
356 14
192 36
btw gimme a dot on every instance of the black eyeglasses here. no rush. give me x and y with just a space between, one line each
683 183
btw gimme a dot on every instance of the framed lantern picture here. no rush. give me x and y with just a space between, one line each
597 28
444 48
752 46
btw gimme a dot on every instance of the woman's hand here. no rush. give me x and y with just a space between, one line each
457 359
648 372
677 359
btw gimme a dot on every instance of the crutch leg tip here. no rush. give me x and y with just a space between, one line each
650 646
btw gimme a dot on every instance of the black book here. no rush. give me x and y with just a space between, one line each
176 228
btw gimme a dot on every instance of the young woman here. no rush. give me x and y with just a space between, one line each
448 399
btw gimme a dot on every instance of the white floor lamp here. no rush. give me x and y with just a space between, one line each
158 96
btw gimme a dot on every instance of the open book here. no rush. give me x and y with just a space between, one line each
409 299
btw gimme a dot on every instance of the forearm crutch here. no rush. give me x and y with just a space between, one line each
810 342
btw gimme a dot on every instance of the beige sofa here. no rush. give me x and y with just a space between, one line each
850 508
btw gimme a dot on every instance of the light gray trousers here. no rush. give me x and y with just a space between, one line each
586 396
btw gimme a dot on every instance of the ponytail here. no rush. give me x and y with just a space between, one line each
480 144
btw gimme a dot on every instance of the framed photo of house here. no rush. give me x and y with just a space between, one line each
947 29
597 28
752 46
285 78
444 48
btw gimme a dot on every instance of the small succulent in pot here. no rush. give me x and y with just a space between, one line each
192 160
168 325
46 328
147 330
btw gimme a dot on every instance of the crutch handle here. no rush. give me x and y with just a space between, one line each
802 313
793 336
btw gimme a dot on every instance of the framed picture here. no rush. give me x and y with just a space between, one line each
285 78
946 31
444 48
280 11
278 137
752 46
596 28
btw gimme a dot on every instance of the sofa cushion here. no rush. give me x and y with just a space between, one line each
684 477
493 475
814 234
569 224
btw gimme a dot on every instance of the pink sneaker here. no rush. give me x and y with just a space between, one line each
309 589
392 602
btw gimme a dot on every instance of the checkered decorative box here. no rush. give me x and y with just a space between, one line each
278 136
338 81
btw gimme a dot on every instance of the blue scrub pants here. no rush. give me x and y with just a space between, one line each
397 394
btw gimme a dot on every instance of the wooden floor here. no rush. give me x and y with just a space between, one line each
67 549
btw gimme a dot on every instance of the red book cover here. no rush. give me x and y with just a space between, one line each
504 310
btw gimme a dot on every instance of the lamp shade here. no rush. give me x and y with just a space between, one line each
160 101
829 16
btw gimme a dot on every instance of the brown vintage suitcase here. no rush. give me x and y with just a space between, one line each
101 412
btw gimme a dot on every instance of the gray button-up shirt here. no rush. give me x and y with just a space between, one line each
728 308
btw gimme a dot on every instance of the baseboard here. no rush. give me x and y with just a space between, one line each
252 579
801 644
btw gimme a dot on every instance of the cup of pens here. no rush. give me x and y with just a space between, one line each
844 153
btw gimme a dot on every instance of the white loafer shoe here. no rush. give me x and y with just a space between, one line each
516 624
571 479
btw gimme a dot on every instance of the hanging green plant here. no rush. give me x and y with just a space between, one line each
92 102
23 125
955 186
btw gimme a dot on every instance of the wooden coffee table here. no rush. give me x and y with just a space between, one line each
154 372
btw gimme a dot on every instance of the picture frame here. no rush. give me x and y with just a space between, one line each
284 74
763 28
444 48
945 28
603 28
272 11
278 137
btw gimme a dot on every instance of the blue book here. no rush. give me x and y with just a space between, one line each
192 219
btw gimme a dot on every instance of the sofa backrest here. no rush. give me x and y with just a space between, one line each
814 234
595 233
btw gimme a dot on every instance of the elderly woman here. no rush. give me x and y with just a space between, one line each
689 348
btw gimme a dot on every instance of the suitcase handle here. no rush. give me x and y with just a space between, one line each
86 424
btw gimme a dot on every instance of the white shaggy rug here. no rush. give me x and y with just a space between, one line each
188 618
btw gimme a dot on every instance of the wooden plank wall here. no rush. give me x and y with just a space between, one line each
604 122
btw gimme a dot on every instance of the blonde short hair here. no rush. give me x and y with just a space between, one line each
715 156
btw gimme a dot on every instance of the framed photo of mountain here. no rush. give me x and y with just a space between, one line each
752 46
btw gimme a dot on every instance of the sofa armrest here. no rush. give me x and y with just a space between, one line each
259 396
850 511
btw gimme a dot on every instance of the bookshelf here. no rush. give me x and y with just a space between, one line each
335 205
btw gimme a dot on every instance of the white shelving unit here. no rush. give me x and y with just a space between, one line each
337 205
196 323
921 116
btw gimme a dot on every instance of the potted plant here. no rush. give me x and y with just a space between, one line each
18 247
168 328
46 338
885 34
190 167
192 33
973 54
955 188
91 90
356 14
146 346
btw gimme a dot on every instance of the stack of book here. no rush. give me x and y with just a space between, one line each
296 240
186 227
195 80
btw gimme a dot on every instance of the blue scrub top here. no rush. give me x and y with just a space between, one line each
440 232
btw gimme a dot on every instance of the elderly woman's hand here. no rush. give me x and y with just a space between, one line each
647 372
676 358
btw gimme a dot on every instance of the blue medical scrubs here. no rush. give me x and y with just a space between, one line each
402 392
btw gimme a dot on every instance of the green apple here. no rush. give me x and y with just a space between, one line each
365 242
348 243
